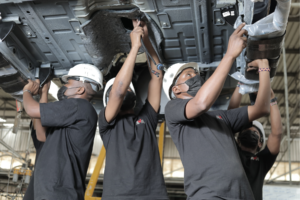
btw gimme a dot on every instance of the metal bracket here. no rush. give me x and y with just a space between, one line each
28 31
45 72
229 14
164 20
218 19
75 24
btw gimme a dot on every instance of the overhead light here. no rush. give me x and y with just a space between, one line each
8 125
2 120
53 90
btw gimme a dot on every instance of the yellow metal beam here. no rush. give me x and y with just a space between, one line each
161 141
94 178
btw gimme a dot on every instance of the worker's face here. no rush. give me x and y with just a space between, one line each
248 139
259 144
129 101
180 85
70 90
73 87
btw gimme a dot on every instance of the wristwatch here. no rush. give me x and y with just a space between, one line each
273 101
27 91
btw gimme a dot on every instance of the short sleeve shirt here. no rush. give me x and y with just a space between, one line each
63 161
212 167
132 170
256 168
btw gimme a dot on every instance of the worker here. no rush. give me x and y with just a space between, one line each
205 140
29 194
68 129
257 154
132 169
38 145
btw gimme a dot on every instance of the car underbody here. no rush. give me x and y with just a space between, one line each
44 39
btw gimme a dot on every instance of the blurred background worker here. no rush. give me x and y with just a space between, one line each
68 129
29 195
132 169
205 140
257 154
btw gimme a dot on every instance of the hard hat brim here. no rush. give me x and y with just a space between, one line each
65 80
173 72
188 65
258 125
109 84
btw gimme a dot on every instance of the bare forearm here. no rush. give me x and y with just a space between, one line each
155 84
153 54
124 76
40 130
211 89
276 125
276 133
32 107
235 99
262 103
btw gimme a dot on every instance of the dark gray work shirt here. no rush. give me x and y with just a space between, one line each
256 168
212 167
29 195
132 170
63 161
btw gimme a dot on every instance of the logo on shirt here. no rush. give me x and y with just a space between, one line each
255 158
140 121
219 117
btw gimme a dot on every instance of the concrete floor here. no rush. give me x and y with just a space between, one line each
281 192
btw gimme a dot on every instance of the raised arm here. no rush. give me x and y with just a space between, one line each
262 103
276 128
155 84
40 130
32 107
124 76
211 89
235 99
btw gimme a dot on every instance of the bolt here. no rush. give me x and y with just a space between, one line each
78 30
219 20
28 33
165 24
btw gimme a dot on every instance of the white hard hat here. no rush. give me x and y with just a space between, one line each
110 83
173 72
260 127
86 71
